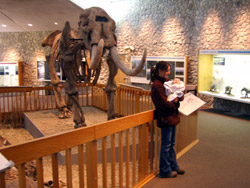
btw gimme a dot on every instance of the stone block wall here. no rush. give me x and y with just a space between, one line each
25 47
164 27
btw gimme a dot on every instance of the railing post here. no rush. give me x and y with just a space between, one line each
2 179
91 159
118 102
21 176
143 151
87 94
104 101
92 94
137 102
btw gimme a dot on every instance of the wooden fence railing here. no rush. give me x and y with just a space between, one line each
14 101
119 153
128 148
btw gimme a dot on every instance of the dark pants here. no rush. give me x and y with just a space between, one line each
168 161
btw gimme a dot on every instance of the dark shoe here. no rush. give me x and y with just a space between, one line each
180 171
172 175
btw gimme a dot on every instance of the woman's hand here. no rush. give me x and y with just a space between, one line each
176 100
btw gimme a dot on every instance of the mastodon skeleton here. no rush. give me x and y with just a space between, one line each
96 36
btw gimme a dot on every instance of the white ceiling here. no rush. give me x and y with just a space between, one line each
16 14
42 14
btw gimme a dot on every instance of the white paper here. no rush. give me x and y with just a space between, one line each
4 163
190 104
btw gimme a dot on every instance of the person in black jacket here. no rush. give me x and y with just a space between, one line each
167 117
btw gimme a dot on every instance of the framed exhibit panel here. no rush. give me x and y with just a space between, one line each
43 70
178 68
224 74
9 73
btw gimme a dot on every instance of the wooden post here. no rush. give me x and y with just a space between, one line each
91 158
81 165
2 179
69 168
21 176
55 171
39 170
118 91
137 102
92 94
143 151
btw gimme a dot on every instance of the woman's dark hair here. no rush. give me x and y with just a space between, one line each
162 65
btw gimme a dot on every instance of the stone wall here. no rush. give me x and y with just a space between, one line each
183 27
165 28
25 47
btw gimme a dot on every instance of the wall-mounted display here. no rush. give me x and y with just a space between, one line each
178 68
223 73
43 71
9 74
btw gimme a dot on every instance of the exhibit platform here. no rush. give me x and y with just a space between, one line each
46 123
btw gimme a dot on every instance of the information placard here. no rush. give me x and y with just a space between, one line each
190 104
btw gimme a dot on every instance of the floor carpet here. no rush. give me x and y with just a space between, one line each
221 158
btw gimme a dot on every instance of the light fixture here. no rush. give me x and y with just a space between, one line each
56 23
3 25
30 25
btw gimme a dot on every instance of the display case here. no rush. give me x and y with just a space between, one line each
178 68
225 74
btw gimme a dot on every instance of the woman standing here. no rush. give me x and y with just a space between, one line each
167 117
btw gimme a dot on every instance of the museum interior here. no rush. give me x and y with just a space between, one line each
75 92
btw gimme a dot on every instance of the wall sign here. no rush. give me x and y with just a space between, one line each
43 70
178 68
9 74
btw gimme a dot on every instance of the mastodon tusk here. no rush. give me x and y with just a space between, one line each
131 72
96 54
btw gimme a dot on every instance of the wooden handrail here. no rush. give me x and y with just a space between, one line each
55 143
143 150
51 145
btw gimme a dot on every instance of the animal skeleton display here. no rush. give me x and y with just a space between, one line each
245 91
96 36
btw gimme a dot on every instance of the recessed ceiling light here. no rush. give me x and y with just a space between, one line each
56 23
3 25
30 25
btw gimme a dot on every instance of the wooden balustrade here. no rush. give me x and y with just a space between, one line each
128 146
14 101
131 145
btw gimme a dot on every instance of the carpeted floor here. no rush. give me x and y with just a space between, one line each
220 160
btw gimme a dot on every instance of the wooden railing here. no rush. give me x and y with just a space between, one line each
14 101
134 140
119 153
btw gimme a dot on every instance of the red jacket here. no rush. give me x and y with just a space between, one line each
165 112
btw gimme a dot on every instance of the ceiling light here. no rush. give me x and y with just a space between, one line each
30 25
3 25
56 23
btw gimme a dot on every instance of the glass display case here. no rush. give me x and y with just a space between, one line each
225 74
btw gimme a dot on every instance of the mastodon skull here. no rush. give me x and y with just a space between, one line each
97 29
95 24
